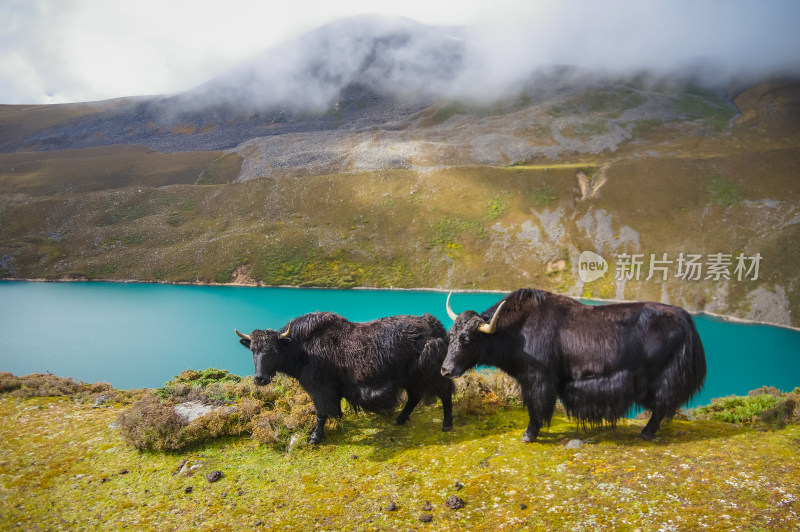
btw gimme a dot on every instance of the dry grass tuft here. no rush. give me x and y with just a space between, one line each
48 385
486 391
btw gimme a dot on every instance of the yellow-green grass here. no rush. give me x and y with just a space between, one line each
62 467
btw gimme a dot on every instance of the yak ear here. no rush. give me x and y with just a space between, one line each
245 339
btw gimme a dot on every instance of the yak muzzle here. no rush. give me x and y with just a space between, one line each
451 373
262 381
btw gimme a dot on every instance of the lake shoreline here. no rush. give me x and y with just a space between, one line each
716 315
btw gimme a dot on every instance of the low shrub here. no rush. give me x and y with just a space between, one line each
152 424
271 414
738 409
766 405
291 413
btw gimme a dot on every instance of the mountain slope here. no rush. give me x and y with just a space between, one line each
415 188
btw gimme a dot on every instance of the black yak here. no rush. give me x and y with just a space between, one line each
600 360
369 364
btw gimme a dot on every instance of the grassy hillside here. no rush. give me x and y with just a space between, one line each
64 464
417 207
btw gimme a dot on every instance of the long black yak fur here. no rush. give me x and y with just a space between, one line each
368 364
600 360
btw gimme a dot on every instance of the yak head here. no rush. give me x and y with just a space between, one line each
466 339
266 347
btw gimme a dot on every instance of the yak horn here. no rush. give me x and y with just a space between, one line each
453 315
286 334
243 336
491 327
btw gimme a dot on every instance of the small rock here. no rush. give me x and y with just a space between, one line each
123 472
113 425
522 506
189 489
191 410
104 480
392 507
574 444
563 441
427 506
426 518
188 467
100 400
353 456
295 441
79 476
454 503
459 485
214 476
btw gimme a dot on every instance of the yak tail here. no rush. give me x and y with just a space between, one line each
686 372
682 377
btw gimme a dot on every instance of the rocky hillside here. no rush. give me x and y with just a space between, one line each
366 186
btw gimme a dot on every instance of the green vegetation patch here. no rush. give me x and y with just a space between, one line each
764 405
722 190
305 266
699 104
611 103
447 230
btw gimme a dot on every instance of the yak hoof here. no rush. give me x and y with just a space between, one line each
400 421
646 436
526 438
314 440
447 428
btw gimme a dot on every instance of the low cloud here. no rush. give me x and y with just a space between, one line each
75 50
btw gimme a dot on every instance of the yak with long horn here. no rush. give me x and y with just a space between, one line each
599 360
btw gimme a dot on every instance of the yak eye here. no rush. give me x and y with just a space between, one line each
464 339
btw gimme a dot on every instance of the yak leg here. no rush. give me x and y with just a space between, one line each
541 402
534 425
413 400
650 429
447 406
319 430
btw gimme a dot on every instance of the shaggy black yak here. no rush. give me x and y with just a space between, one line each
600 360
369 364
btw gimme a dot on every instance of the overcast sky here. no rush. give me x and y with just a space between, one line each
54 51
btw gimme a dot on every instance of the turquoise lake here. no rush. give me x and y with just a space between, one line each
140 335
